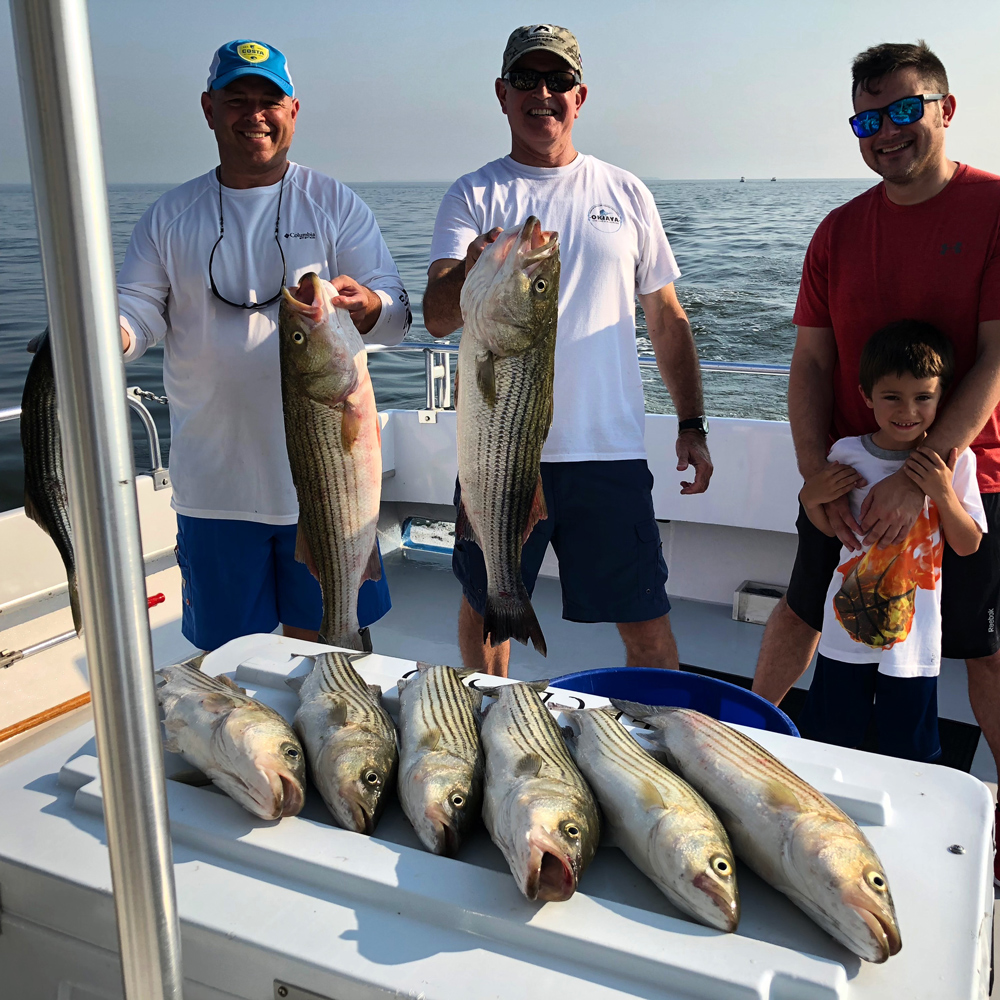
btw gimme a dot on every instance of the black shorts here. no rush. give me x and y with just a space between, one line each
970 585
605 537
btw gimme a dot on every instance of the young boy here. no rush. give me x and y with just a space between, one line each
880 648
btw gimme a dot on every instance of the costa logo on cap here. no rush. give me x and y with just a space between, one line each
253 52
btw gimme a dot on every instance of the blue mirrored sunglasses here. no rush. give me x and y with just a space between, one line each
905 111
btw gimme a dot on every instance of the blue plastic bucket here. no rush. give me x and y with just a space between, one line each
679 689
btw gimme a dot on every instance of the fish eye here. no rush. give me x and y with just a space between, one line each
458 800
297 337
721 866
571 830
291 752
540 285
877 881
371 777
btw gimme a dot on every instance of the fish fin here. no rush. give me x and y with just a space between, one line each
486 378
463 526
529 765
37 341
638 711
477 701
780 796
648 795
376 690
217 703
74 601
430 740
350 425
171 745
295 683
196 661
336 711
303 553
539 685
539 511
373 571
229 682
512 621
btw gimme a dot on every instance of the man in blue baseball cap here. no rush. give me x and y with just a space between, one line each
203 274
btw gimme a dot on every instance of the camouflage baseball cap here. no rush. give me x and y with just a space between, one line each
548 37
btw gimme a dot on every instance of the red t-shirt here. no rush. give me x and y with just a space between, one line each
871 263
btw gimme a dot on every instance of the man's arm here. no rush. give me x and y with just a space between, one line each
893 505
445 278
810 410
677 360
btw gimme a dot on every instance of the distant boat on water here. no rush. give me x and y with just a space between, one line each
743 180
773 179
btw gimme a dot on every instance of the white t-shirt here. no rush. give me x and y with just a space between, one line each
612 245
884 605
221 370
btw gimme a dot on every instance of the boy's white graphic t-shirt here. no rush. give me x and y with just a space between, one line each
884 605
611 245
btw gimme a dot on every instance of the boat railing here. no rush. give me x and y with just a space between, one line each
437 385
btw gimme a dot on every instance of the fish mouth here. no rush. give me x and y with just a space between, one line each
293 796
551 877
724 914
885 938
364 821
534 245
306 298
446 838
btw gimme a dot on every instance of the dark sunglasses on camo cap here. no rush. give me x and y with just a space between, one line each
905 111
557 80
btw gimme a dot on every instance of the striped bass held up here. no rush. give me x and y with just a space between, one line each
790 834
334 449
440 757
349 739
537 807
666 829
506 364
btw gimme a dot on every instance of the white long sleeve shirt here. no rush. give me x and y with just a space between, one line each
221 370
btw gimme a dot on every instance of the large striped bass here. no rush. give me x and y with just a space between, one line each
666 829
506 362
242 745
537 807
792 836
350 740
440 757
334 450
45 499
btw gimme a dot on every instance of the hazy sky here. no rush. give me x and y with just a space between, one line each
404 90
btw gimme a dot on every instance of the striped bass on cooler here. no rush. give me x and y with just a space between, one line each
790 834
537 807
440 757
349 739
334 450
506 364
666 829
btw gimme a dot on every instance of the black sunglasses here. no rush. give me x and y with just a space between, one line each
277 239
557 80
905 111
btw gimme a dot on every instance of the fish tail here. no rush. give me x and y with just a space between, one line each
74 601
512 619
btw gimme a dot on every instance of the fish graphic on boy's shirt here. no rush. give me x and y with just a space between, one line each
875 603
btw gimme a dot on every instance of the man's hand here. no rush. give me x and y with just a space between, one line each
692 449
841 522
478 245
926 468
361 302
890 510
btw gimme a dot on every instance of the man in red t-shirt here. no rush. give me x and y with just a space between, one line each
924 244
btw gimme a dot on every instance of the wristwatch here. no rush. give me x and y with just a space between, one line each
694 424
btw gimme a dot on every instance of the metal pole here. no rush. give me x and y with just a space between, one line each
56 73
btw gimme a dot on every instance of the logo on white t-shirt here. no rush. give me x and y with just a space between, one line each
605 218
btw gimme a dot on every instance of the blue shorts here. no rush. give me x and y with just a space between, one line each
241 577
604 534
843 697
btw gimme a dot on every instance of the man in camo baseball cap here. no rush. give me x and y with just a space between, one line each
549 37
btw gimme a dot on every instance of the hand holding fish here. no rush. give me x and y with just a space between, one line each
478 245
692 449
361 302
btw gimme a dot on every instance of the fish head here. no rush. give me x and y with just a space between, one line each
318 341
260 763
447 804
843 886
697 861
354 773
559 835
511 295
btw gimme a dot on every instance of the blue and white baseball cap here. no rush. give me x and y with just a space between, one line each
245 57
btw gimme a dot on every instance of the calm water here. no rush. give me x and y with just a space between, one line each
740 247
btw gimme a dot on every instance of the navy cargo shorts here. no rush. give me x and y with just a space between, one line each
601 526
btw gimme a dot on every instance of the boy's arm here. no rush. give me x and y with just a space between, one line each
934 477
